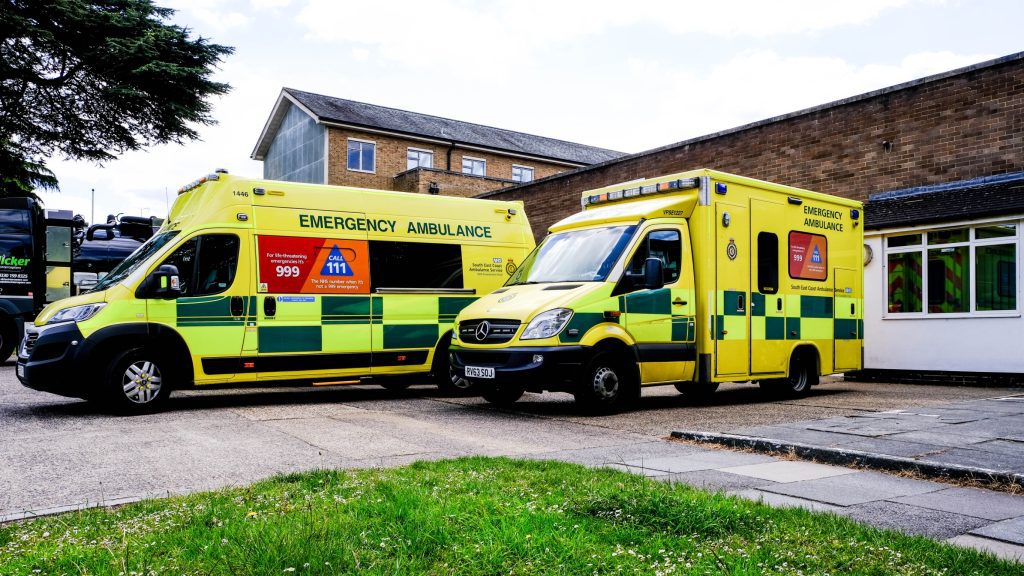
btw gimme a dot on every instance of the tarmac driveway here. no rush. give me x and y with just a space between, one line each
58 453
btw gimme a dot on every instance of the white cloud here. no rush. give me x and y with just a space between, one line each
214 15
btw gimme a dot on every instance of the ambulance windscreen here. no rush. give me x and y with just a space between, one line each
574 256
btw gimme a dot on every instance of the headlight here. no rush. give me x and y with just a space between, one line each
76 313
547 324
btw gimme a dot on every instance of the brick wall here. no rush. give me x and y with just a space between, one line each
964 124
418 180
391 160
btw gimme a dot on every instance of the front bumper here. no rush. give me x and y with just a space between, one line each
559 368
48 360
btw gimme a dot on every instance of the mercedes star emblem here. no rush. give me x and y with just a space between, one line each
482 330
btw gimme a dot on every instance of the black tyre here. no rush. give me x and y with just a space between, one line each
802 375
503 395
395 386
697 390
608 385
8 339
448 381
137 381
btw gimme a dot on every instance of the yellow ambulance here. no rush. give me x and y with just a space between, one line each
254 281
690 279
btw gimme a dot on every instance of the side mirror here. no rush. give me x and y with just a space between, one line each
163 283
654 270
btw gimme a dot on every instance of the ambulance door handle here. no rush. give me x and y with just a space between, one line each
269 306
778 304
679 302
739 303
853 309
237 308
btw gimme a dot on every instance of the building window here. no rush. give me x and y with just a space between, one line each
417 158
953 271
474 166
362 155
522 173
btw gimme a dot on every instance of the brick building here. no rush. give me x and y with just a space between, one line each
321 139
958 125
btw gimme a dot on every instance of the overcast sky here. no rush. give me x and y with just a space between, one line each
626 75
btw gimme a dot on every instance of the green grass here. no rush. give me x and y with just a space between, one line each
468 516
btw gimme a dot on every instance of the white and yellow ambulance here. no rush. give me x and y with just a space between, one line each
690 279
255 281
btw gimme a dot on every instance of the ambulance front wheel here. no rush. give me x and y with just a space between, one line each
136 381
608 385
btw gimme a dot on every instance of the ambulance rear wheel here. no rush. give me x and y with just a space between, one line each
136 381
798 383
504 394
608 385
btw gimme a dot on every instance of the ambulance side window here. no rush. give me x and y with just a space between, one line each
206 264
664 245
415 265
767 263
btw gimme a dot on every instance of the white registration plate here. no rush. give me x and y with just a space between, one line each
479 372
20 370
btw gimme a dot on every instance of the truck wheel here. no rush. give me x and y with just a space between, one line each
8 340
607 386
503 395
697 390
136 382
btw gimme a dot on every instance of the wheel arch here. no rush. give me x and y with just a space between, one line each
807 351
101 346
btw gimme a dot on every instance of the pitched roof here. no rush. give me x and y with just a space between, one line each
966 199
331 110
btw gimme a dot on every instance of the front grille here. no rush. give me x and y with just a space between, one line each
28 343
495 332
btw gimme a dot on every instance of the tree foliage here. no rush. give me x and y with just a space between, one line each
92 79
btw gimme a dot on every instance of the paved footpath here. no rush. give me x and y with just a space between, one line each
982 437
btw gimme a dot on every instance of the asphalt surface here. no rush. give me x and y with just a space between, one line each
58 452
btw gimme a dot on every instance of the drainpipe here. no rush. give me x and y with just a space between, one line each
449 156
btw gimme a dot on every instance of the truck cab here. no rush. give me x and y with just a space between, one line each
690 279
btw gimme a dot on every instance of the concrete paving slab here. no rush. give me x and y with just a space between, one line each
970 502
704 460
1011 531
797 434
617 454
912 519
995 547
894 447
942 437
981 459
638 470
785 471
716 480
855 488
781 501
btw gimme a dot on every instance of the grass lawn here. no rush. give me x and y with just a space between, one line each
468 516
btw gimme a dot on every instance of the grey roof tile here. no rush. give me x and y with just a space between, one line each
331 109
991 196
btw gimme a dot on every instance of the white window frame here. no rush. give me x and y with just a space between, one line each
360 140
521 168
972 244
419 154
473 159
